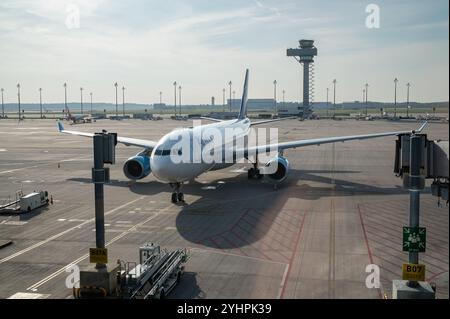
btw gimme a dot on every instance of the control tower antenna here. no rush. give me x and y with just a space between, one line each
305 54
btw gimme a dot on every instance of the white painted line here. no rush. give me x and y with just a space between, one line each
283 280
61 219
23 251
15 223
76 261
236 255
40 165
28 295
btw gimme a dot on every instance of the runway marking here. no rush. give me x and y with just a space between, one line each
283 283
23 251
15 223
369 252
236 255
76 261
332 252
46 164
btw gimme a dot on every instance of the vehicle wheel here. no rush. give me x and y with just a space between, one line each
162 294
174 197
180 197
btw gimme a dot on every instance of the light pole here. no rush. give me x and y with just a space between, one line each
65 98
160 97
367 92
40 100
334 97
175 97
179 98
234 96
327 101
3 105
408 85
123 100
229 83
223 100
81 99
18 98
283 99
395 97
275 95
91 101
117 107
362 101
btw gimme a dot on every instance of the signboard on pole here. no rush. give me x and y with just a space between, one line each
413 272
414 239
98 255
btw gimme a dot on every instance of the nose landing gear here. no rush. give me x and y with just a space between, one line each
177 196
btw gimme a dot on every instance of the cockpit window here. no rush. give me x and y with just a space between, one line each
161 152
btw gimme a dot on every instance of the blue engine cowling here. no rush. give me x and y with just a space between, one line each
282 169
137 167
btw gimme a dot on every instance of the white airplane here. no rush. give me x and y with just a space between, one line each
156 156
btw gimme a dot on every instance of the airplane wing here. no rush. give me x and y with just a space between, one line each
318 141
272 120
124 140
210 119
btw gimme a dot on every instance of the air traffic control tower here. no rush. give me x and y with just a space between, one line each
305 55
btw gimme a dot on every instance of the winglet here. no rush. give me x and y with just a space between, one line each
60 126
243 109
425 124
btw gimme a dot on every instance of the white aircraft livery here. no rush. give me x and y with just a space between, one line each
186 153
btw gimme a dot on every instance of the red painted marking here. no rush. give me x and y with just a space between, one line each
367 245
438 274
238 236
234 246
292 257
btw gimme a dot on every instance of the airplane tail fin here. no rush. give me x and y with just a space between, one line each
243 109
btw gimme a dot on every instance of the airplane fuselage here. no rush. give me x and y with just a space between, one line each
216 140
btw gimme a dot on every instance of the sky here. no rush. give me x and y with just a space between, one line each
146 45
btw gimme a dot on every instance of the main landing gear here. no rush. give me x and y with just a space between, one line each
177 196
254 172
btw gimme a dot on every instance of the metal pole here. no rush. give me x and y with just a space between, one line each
334 97
81 99
179 98
364 95
367 92
18 98
175 97
40 100
407 99
65 99
415 185
283 99
91 101
275 95
117 109
223 101
99 197
395 97
327 102
123 100
229 83
160 97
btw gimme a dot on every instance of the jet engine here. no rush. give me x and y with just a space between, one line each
279 171
137 167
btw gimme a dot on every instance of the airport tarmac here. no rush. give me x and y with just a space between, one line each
340 210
